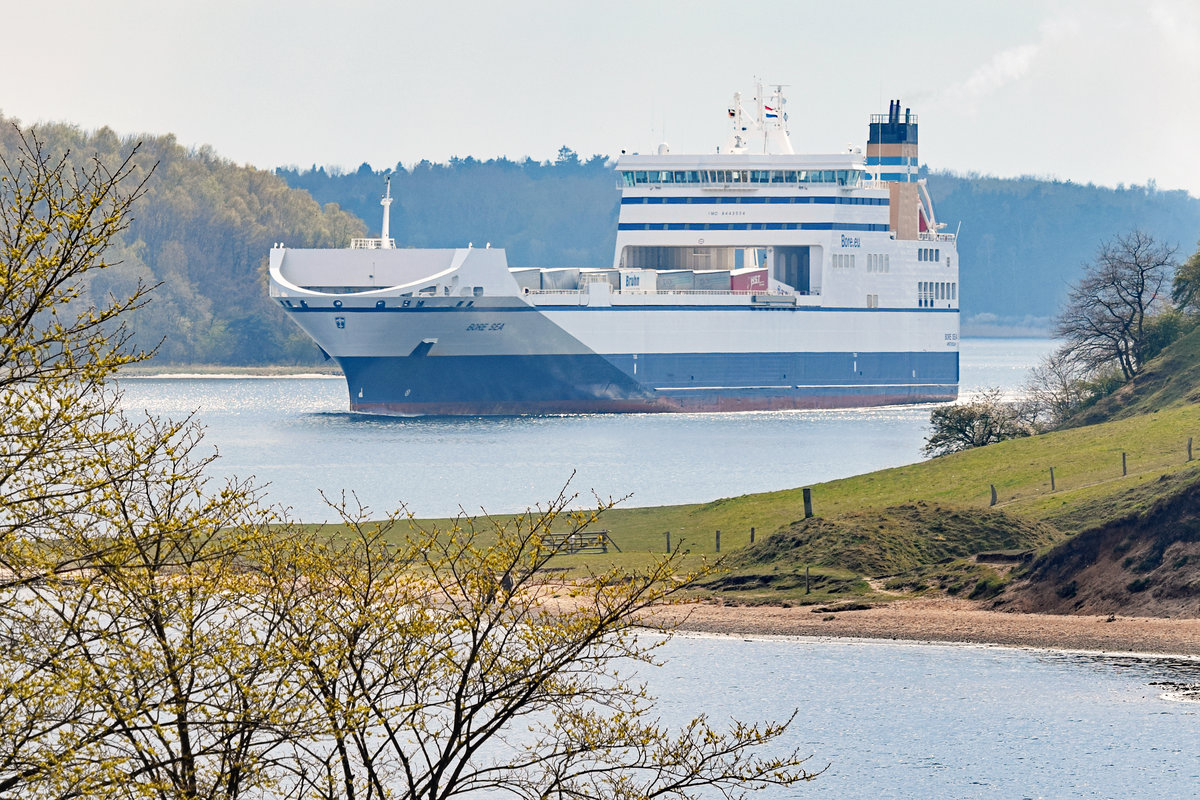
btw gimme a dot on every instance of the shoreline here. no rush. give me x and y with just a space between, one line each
947 621
155 370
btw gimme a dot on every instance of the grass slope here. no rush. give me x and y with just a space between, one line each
910 521
896 539
1171 379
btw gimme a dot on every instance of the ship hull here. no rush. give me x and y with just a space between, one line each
582 383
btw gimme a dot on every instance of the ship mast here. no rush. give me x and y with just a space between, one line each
769 119
386 202
737 138
775 133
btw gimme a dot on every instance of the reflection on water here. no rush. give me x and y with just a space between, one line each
1177 679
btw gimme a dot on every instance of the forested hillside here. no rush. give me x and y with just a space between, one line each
1023 240
203 232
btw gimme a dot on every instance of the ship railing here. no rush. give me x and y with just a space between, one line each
930 236
811 292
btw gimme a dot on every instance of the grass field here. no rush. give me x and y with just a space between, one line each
915 527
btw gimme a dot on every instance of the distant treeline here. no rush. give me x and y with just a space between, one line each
544 213
206 226
1024 240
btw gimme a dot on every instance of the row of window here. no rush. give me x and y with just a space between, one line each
929 292
872 301
876 262
929 254
841 177
828 200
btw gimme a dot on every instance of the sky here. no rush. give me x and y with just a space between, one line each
1100 91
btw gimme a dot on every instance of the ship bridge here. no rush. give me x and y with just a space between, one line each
734 211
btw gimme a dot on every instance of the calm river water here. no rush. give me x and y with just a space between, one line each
891 720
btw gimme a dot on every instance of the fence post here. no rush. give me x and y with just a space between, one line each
807 502
752 536
1052 479
718 540
993 494
1189 448
668 542
806 579
1124 471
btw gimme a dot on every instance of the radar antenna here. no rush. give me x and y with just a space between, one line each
769 119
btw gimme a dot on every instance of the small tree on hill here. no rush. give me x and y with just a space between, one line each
983 421
1186 286
1105 320
1056 388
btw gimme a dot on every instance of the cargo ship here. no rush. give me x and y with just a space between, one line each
752 278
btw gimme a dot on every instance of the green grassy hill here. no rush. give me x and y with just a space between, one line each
1169 380
923 527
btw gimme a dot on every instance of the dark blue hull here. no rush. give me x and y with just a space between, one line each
688 382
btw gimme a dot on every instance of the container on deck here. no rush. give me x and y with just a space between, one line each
712 280
565 280
748 280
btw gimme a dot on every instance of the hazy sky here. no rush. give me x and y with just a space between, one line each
1106 91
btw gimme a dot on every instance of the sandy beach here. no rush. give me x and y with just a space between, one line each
950 620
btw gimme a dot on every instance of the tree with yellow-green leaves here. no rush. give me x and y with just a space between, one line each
444 663
165 636
56 354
